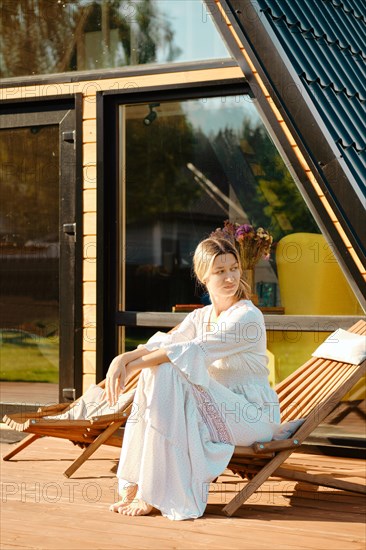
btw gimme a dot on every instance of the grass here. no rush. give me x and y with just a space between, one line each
132 343
138 335
26 357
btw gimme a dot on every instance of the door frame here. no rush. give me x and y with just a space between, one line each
66 111
109 318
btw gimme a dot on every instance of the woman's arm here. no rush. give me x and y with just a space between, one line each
152 359
124 366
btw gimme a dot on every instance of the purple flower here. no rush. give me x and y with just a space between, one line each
252 244
243 230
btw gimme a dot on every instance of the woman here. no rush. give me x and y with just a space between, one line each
202 390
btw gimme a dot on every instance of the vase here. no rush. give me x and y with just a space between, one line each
249 277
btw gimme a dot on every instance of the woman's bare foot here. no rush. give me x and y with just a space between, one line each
136 508
127 496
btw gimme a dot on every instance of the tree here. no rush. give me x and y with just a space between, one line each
29 187
47 36
284 206
158 181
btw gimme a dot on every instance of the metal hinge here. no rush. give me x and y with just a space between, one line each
69 394
70 229
69 135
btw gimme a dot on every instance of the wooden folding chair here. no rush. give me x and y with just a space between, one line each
89 434
311 392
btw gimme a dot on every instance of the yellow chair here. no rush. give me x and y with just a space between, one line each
310 279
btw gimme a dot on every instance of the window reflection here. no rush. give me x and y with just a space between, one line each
46 36
188 168
29 254
195 164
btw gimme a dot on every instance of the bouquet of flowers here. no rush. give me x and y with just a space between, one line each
252 244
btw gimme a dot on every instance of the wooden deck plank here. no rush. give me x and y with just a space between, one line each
43 510
82 527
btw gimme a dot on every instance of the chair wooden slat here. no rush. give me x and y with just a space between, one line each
317 415
359 327
306 385
339 377
281 388
292 399
284 386
312 393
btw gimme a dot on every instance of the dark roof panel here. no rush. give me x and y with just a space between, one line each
328 105
351 6
322 19
325 40
321 56
350 30
357 163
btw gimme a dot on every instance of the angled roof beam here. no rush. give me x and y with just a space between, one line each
291 120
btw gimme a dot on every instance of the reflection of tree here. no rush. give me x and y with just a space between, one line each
158 181
284 207
146 29
29 187
44 36
34 36
245 162
240 176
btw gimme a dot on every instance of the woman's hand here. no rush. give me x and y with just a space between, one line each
126 365
116 378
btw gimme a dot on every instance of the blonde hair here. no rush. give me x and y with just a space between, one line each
204 256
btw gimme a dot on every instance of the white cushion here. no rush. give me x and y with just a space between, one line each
343 346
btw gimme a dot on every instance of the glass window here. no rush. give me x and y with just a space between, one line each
190 165
187 167
29 254
48 36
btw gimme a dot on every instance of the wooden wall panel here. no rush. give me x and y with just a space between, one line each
89 176
89 338
89 131
90 232
88 366
89 293
90 248
89 270
90 200
90 223
89 153
89 110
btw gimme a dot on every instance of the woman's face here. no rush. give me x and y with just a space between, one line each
224 276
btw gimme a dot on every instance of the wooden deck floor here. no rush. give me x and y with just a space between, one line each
43 510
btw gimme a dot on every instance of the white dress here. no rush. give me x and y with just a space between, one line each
189 414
